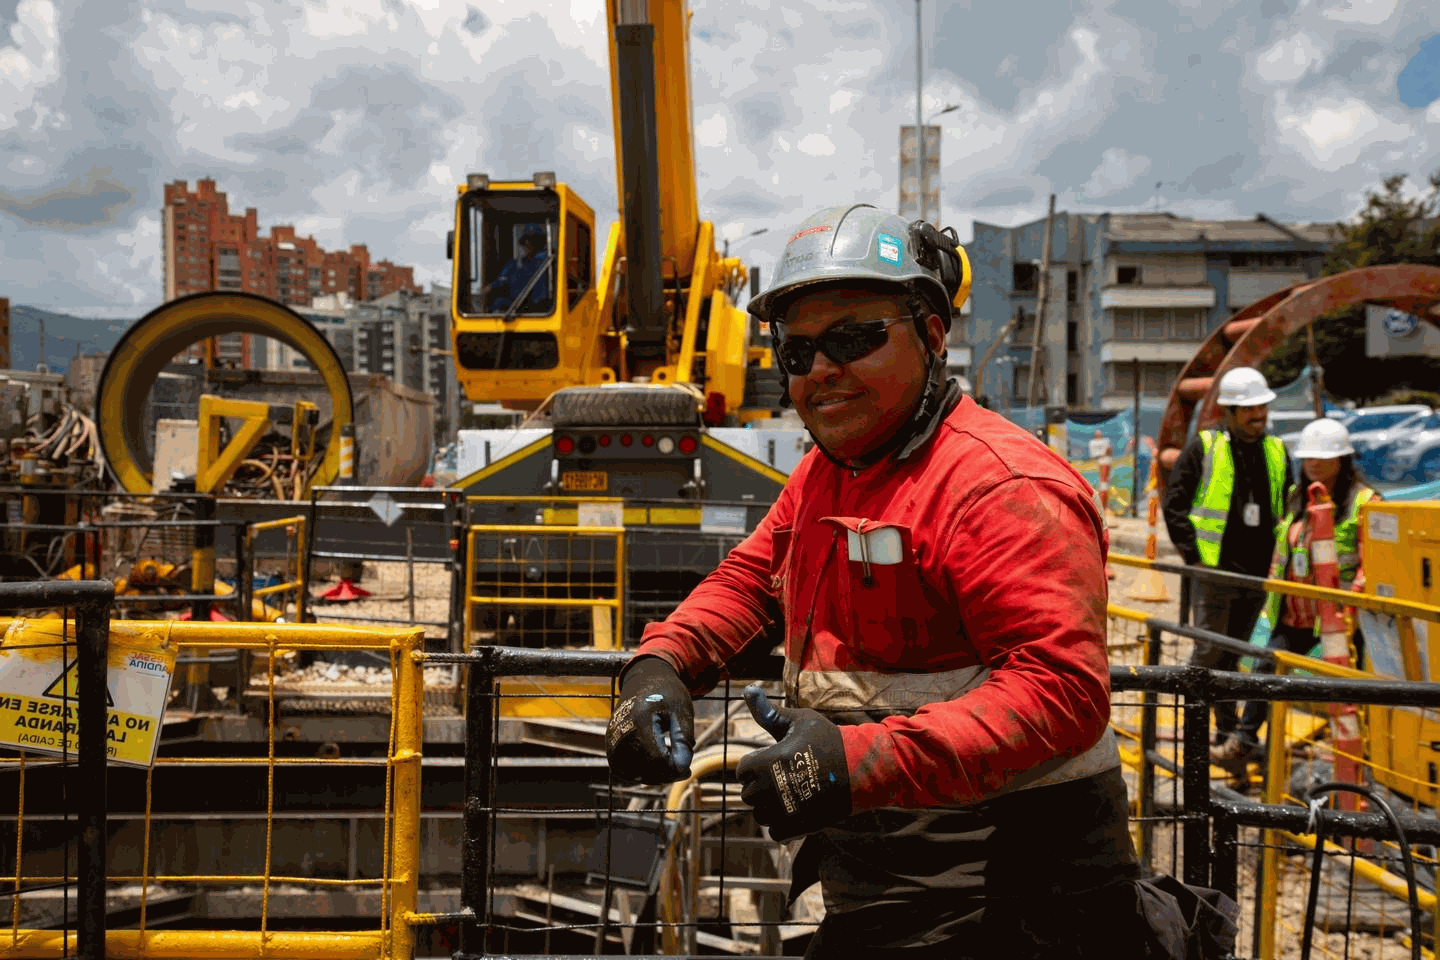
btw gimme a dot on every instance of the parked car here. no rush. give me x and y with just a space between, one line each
1416 456
1373 436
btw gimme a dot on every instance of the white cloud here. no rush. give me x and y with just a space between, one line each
712 131
1332 134
1289 59
816 144
1371 12
1118 169
32 63
347 18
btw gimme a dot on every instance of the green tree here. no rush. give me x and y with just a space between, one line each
1390 228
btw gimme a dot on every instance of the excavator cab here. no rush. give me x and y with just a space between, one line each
523 304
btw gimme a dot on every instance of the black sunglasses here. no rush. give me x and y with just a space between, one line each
843 343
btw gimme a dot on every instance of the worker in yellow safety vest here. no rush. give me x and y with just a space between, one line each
1226 493
1326 457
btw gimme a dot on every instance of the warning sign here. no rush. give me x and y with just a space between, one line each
39 690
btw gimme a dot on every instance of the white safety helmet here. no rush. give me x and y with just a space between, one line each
1244 387
1323 439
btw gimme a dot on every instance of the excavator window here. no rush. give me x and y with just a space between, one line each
579 259
509 245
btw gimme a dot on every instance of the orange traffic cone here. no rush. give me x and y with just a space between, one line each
345 591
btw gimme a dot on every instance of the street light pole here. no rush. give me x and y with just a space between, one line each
919 117
751 234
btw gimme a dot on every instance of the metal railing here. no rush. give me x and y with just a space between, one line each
671 544
1301 751
87 773
258 816
661 878
414 526
103 531
519 572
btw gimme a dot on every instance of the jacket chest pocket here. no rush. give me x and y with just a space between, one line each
780 563
880 596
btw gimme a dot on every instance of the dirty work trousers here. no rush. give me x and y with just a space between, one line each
1041 874
1232 611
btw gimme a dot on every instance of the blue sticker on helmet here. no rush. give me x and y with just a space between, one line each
888 248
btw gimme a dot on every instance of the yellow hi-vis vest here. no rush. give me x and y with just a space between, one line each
1211 506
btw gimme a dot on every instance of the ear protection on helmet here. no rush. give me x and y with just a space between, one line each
940 250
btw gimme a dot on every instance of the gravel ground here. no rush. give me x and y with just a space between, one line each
388 583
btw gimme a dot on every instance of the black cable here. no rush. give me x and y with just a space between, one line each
1405 857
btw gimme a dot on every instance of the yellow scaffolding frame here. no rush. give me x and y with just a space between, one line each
394 940
614 604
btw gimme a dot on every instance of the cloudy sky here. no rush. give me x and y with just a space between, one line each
353 119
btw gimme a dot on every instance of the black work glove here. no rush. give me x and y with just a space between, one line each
654 702
802 783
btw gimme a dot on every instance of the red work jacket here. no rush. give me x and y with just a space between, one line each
947 610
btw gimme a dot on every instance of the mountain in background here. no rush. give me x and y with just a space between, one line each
63 333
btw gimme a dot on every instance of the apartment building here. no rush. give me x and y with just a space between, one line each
404 336
1125 290
206 247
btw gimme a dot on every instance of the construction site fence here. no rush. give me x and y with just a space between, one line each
1346 598
410 526
657 878
542 570
1369 745
134 861
87 647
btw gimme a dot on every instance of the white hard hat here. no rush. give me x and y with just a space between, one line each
1323 439
1244 387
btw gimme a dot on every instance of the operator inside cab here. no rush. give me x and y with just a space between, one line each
938 575
526 277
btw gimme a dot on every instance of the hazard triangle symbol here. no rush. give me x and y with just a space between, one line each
67 686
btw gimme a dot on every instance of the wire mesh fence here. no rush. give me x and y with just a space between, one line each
394 555
684 870
248 870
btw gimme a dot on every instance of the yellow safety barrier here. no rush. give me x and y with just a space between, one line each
1298 750
536 593
1283 750
397 881
1360 601
523 550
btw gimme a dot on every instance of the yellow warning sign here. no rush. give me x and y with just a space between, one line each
38 692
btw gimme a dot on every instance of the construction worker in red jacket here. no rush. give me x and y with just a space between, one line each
940 577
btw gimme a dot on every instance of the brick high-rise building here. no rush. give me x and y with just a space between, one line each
208 248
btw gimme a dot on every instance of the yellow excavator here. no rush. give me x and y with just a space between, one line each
632 366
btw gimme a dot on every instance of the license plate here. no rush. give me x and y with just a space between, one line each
586 480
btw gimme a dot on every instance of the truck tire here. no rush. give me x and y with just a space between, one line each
763 389
625 406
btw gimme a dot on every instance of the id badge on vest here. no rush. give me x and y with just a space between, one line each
1251 514
1300 564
